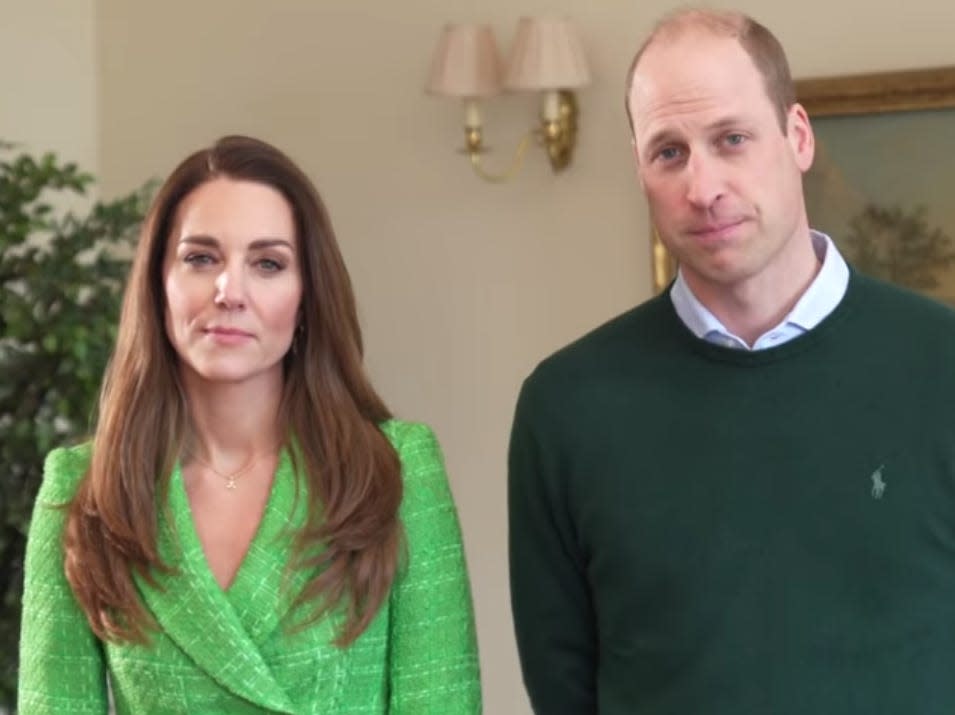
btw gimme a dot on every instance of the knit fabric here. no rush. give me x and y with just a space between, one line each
234 651
696 530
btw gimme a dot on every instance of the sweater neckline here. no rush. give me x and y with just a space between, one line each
791 348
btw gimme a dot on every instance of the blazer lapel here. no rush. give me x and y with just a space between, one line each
264 587
194 612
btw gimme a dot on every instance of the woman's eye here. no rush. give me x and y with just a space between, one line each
198 259
270 265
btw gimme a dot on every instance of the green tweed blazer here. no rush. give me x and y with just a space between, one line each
230 651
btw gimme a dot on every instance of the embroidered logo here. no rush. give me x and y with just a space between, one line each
878 483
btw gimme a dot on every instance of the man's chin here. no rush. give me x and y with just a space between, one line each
723 272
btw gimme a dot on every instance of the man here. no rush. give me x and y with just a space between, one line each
738 497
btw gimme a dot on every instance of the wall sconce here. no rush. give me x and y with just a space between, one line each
546 57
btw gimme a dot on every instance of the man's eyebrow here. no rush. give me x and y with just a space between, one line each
668 136
725 123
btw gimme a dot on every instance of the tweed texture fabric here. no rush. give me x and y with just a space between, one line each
234 651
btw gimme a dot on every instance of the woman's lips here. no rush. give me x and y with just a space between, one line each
228 336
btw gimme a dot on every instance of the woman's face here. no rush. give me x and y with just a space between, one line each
232 281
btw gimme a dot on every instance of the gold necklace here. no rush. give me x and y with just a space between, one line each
230 479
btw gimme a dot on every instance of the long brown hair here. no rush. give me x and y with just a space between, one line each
329 410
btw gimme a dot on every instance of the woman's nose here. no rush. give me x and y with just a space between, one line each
229 289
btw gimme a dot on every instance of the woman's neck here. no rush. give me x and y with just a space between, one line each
233 422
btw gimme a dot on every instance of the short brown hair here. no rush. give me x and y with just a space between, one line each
759 43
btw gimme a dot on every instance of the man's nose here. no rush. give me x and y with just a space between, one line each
704 181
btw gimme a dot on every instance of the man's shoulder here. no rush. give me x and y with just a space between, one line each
901 308
912 329
622 340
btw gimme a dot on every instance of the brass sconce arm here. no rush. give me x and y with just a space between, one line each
557 134
546 57
474 149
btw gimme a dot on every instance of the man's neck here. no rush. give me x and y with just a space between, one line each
752 307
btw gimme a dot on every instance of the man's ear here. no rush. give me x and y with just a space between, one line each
636 162
801 138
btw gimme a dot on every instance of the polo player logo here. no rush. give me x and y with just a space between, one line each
878 483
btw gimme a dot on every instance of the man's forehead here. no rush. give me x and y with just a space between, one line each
692 32
690 69
687 43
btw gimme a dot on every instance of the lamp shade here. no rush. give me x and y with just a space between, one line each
466 63
547 54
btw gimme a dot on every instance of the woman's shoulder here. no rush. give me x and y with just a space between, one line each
422 462
63 470
408 436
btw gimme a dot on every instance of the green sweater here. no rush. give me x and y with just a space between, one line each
695 529
229 652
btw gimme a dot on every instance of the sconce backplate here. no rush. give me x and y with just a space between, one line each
560 135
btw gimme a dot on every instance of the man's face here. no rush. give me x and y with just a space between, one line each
723 182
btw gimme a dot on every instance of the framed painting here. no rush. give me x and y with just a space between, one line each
883 176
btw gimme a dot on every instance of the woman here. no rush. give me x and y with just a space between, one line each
249 530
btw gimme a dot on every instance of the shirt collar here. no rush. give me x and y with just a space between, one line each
819 299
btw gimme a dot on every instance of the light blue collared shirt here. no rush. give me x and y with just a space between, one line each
821 298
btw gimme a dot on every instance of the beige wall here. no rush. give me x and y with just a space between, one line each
48 96
463 286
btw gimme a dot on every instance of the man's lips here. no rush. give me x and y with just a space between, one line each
715 230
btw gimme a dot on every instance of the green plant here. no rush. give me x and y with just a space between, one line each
898 245
61 277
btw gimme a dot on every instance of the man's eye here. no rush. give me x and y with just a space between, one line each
735 139
669 153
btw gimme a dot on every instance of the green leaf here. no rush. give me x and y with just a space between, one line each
61 283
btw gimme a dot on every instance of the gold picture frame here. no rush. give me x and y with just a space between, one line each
850 95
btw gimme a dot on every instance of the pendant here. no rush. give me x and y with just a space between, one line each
230 483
